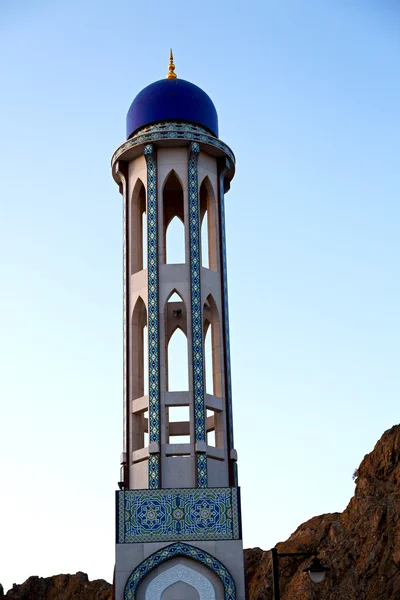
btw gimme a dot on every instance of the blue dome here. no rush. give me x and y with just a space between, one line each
171 100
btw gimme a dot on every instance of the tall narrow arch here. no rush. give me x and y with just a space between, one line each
176 355
177 370
139 349
208 219
208 361
174 220
138 228
180 549
212 326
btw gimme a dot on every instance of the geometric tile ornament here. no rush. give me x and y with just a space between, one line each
226 311
197 314
168 515
172 131
153 330
172 551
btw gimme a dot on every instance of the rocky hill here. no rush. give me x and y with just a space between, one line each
360 545
60 587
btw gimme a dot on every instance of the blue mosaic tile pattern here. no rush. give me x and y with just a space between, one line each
172 551
177 514
201 469
172 131
197 319
153 331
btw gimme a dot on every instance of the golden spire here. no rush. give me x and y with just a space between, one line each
171 67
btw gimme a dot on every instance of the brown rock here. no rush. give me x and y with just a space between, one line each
361 545
61 587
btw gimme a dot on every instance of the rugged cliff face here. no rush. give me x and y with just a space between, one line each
61 587
360 545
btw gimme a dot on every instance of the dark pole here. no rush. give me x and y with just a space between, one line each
275 574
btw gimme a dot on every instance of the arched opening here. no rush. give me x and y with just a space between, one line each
213 371
178 362
208 220
176 350
205 251
212 347
139 373
145 361
138 228
208 371
174 229
139 350
144 240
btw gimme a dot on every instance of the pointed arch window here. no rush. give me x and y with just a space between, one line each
138 228
208 219
139 372
174 229
177 365
139 350
212 347
177 362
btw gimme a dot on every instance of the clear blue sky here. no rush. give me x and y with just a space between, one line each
308 95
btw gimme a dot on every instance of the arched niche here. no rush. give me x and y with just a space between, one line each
208 220
173 220
180 549
138 228
180 573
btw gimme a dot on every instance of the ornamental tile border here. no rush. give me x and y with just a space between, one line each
172 131
153 330
168 515
196 313
172 551
201 470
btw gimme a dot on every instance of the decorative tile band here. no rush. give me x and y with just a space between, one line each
172 131
158 558
153 330
225 299
196 313
168 515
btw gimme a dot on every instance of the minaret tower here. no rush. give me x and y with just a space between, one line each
178 523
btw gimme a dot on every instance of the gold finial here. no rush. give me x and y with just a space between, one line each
171 67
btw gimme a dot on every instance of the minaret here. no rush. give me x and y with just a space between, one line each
178 522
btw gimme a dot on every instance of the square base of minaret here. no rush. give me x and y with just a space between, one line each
177 567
